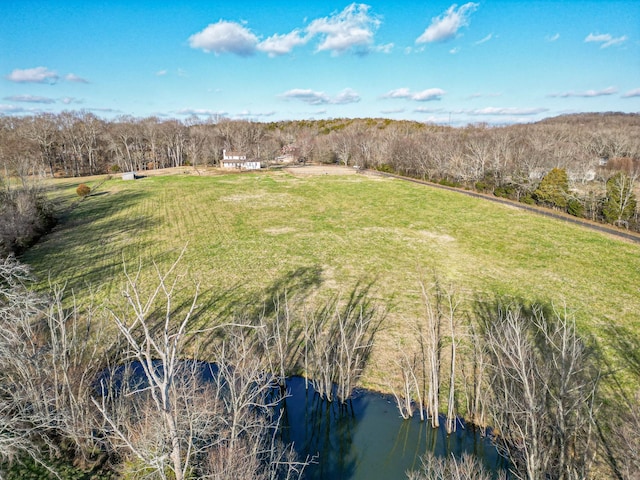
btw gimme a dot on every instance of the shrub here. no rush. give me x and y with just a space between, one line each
528 199
384 167
506 191
575 208
83 190
482 186
449 183
25 215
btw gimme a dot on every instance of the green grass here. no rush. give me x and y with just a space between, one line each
269 231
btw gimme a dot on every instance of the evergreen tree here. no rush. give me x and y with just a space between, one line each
553 190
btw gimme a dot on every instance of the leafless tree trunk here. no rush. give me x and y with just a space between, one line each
431 339
450 308
339 340
50 355
443 468
173 420
543 383
411 388
160 356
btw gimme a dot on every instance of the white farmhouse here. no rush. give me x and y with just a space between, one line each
238 161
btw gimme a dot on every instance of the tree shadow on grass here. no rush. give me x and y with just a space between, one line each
625 343
619 419
92 238
238 306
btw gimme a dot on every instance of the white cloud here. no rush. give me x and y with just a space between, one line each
484 40
552 38
34 75
398 93
586 93
632 93
249 114
105 110
605 39
161 73
353 28
307 96
428 95
388 48
11 109
446 26
454 50
507 111
282 44
481 95
320 98
348 95
72 77
30 99
393 110
70 100
201 111
423 96
225 37
428 110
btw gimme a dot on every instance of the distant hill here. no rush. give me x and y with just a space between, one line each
591 118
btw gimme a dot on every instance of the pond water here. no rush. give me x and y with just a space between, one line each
367 438
364 439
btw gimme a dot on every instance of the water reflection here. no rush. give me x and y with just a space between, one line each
367 439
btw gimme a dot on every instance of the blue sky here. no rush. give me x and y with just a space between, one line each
492 61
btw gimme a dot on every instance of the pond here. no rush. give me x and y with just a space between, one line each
363 439
368 439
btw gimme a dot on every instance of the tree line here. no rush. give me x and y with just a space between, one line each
598 155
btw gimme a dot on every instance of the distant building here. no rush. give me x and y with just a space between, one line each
236 160
233 155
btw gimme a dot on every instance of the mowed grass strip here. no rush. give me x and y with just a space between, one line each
268 231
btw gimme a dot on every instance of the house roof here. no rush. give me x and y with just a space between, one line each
235 160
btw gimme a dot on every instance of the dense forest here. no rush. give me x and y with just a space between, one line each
585 164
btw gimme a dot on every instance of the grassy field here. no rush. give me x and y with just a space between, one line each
254 233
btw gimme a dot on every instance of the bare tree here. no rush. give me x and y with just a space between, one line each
410 388
431 340
543 383
43 130
467 467
450 309
18 307
160 356
50 355
175 414
339 338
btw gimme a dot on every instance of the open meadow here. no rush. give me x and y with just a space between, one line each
250 236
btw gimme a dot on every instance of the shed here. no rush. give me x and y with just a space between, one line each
129 176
